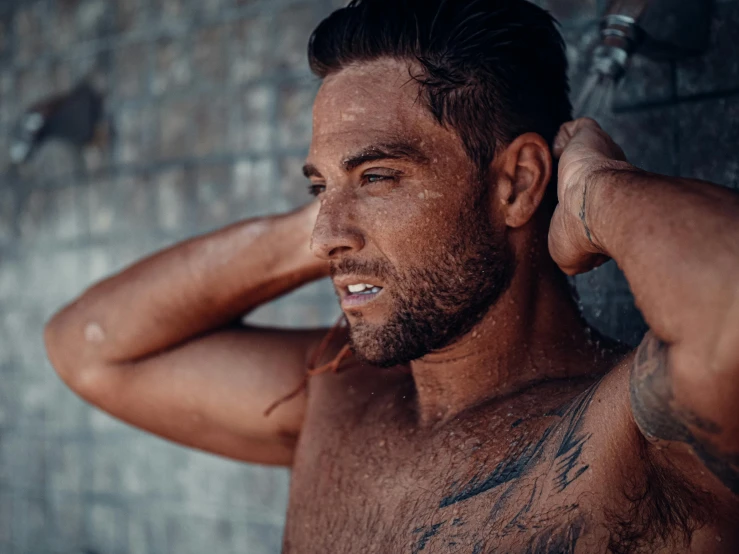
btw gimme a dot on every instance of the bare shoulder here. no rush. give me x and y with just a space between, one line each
650 494
633 405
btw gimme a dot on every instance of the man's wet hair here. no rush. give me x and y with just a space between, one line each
489 69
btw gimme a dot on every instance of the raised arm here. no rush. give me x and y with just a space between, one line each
677 242
156 346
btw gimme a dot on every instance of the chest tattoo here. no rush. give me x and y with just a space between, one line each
560 446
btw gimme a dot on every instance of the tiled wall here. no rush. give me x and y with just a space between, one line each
210 102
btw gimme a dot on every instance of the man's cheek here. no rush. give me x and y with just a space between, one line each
427 223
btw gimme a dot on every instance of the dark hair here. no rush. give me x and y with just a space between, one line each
490 69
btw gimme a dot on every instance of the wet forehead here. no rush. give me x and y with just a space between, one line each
372 100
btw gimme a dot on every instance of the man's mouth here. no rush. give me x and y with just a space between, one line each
363 288
359 294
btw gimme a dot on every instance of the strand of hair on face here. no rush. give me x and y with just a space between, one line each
312 370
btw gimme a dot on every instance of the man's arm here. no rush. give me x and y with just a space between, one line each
156 346
677 241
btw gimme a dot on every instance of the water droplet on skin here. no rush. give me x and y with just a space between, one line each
94 333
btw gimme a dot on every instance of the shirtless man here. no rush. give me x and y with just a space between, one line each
477 412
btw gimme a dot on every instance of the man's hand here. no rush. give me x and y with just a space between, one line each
583 149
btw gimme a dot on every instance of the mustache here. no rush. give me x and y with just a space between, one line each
380 269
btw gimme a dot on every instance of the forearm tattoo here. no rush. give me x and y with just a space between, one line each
659 415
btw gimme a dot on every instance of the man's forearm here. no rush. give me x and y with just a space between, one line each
676 240
190 289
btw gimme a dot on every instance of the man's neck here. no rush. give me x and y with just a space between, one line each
533 333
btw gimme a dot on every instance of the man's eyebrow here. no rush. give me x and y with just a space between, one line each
400 150
386 151
310 170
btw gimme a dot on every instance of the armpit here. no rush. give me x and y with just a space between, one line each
660 417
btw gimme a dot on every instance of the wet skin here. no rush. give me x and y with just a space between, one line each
510 439
555 468
524 431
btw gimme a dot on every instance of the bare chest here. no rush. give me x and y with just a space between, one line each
500 480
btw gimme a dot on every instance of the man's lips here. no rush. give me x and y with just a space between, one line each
357 300
357 290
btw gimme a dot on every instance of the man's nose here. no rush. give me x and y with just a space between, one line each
335 234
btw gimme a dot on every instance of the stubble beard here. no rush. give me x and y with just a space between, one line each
458 288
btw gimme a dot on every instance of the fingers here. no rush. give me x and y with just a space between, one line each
589 264
566 246
569 130
558 239
562 139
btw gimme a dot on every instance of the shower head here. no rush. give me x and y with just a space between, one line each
658 29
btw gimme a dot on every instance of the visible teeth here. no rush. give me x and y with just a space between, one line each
358 288
363 288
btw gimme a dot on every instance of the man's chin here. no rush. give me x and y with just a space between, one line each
380 346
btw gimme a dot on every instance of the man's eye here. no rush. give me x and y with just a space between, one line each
376 178
315 190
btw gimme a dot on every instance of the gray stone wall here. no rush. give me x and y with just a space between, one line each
210 102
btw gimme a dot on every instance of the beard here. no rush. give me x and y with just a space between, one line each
436 304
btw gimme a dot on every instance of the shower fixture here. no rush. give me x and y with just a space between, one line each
662 30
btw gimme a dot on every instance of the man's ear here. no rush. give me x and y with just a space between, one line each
524 170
